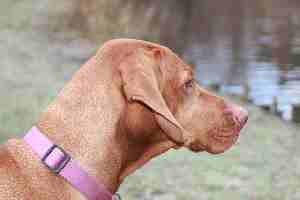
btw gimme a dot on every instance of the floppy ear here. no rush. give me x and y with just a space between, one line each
140 84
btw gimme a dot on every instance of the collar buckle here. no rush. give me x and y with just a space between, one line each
61 160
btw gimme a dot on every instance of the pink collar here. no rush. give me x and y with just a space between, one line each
60 163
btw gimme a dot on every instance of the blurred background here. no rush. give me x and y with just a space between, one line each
248 51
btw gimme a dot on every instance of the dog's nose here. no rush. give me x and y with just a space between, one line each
239 114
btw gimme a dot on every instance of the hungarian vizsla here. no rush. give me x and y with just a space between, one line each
132 101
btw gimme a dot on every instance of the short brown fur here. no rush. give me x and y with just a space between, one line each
132 101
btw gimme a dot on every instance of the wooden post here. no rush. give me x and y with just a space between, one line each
215 87
274 106
246 95
266 108
296 113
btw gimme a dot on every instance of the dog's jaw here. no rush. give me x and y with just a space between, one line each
151 152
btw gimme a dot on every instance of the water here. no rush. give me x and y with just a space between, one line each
268 86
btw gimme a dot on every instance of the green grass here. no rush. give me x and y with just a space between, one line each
31 74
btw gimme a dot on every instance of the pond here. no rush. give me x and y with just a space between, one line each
263 83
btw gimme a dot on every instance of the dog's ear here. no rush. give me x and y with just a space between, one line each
140 84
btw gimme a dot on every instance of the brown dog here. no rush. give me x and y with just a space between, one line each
132 101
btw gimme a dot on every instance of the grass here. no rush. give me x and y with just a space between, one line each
30 76
263 165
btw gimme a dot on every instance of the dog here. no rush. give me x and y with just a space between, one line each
132 101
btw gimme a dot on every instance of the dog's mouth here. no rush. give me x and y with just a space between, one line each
227 133
217 142
222 139
197 148
219 139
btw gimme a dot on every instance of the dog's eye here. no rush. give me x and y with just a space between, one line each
189 84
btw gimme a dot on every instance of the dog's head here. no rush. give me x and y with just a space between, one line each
164 97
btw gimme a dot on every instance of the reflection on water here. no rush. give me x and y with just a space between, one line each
264 84
254 74
266 87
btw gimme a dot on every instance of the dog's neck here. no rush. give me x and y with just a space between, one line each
99 155
83 120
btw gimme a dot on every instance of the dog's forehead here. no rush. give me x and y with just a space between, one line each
172 61
184 69
178 64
